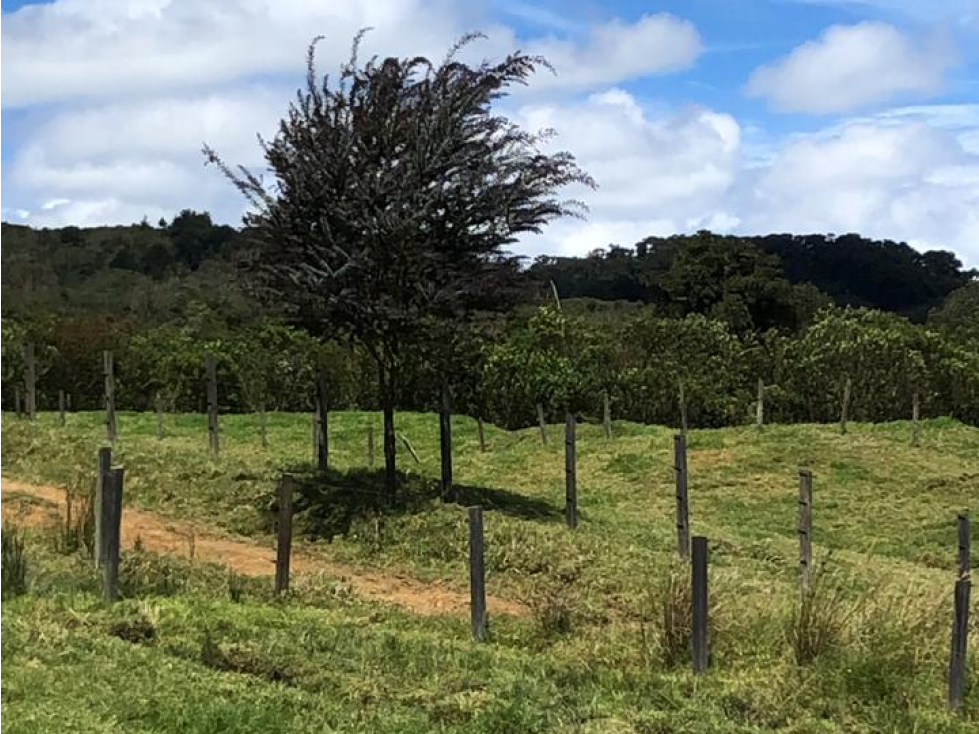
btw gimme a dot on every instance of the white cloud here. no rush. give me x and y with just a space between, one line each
144 157
852 66
618 51
115 49
655 174
908 181
905 174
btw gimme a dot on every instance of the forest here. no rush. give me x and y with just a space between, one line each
801 313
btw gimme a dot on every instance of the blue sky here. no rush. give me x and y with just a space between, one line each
740 116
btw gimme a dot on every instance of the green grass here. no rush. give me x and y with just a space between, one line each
320 663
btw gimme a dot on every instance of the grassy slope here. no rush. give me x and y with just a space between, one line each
885 509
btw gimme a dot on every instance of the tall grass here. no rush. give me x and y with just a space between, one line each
818 622
14 562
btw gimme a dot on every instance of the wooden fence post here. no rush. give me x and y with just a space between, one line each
445 443
283 549
111 529
322 424
17 402
158 405
760 404
477 575
213 430
542 423
682 503
700 635
682 396
263 425
61 408
108 372
845 406
960 619
915 416
805 528
965 546
101 482
370 447
30 382
570 472
960 644
481 434
606 414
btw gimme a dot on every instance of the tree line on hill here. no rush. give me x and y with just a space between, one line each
716 313
155 274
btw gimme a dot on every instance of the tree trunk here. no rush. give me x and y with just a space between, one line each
390 450
386 383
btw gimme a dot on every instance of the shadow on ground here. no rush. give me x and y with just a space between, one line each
331 502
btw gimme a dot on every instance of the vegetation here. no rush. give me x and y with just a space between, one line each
201 653
14 563
396 189
376 261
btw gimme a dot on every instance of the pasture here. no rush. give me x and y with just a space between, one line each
585 634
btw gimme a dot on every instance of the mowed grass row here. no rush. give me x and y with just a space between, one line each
591 657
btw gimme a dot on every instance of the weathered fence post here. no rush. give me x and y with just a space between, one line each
481 434
108 369
30 381
570 472
682 504
111 529
477 575
322 424
606 414
915 416
965 546
61 408
445 443
18 410
760 404
542 423
960 644
682 396
101 482
699 628
213 431
370 447
960 620
845 405
263 425
283 548
805 528
158 405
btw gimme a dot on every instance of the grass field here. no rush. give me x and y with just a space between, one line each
594 654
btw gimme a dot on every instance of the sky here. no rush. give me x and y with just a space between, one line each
739 116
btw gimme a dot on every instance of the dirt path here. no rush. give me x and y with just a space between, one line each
163 535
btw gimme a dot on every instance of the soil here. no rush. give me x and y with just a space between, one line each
39 505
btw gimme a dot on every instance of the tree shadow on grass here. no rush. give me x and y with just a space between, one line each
331 502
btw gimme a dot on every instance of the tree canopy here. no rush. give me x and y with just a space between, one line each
397 186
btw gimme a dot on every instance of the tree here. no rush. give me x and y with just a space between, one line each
397 188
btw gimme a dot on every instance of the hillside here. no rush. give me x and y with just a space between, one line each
591 655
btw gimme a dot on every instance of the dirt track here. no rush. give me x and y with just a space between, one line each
162 535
